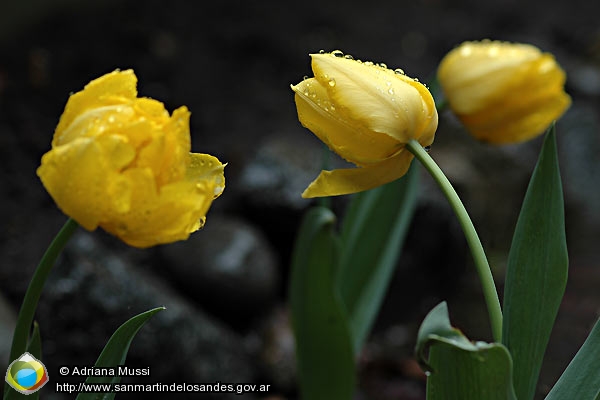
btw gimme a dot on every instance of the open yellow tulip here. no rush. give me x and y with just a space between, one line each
366 113
503 92
122 163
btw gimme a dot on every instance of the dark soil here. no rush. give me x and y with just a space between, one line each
232 62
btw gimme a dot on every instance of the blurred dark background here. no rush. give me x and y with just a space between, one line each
232 63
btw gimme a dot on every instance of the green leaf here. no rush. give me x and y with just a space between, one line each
459 369
581 379
324 353
536 274
115 353
373 233
34 347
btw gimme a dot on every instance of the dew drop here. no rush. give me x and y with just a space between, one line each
337 53
348 57
369 63
321 51
382 65
391 91
331 82
399 71
427 148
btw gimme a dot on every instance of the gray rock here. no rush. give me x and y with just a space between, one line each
7 326
281 169
228 266
93 290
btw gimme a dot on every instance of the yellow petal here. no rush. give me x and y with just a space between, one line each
384 101
353 180
164 216
347 138
117 87
503 92
512 123
474 72
205 168
166 153
83 177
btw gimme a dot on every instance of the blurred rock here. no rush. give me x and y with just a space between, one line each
92 291
280 170
269 188
229 267
278 350
8 320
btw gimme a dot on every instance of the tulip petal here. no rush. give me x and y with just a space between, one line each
386 102
206 168
353 180
172 212
463 70
346 138
513 124
166 152
109 89
164 216
83 178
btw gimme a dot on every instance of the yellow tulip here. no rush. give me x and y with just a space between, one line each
503 92
366 113
122 163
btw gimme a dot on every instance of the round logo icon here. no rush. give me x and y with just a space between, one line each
26 374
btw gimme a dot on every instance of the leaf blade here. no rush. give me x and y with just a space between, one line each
115 352
323 344
373 231
458 368
537 271
581 379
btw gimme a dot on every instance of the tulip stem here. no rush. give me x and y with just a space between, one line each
479 258
32 296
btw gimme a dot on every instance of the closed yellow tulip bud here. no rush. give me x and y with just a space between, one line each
366 113
503 92
122 163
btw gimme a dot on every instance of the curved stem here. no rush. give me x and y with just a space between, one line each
479 257
32 296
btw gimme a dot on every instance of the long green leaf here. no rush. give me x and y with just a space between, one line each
581 379
324 353
373 233
115 353
537 271
459 369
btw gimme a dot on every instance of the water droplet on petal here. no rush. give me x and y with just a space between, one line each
349 57
399 71
337 53
331 82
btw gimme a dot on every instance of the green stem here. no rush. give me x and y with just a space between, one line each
32 296
479 257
